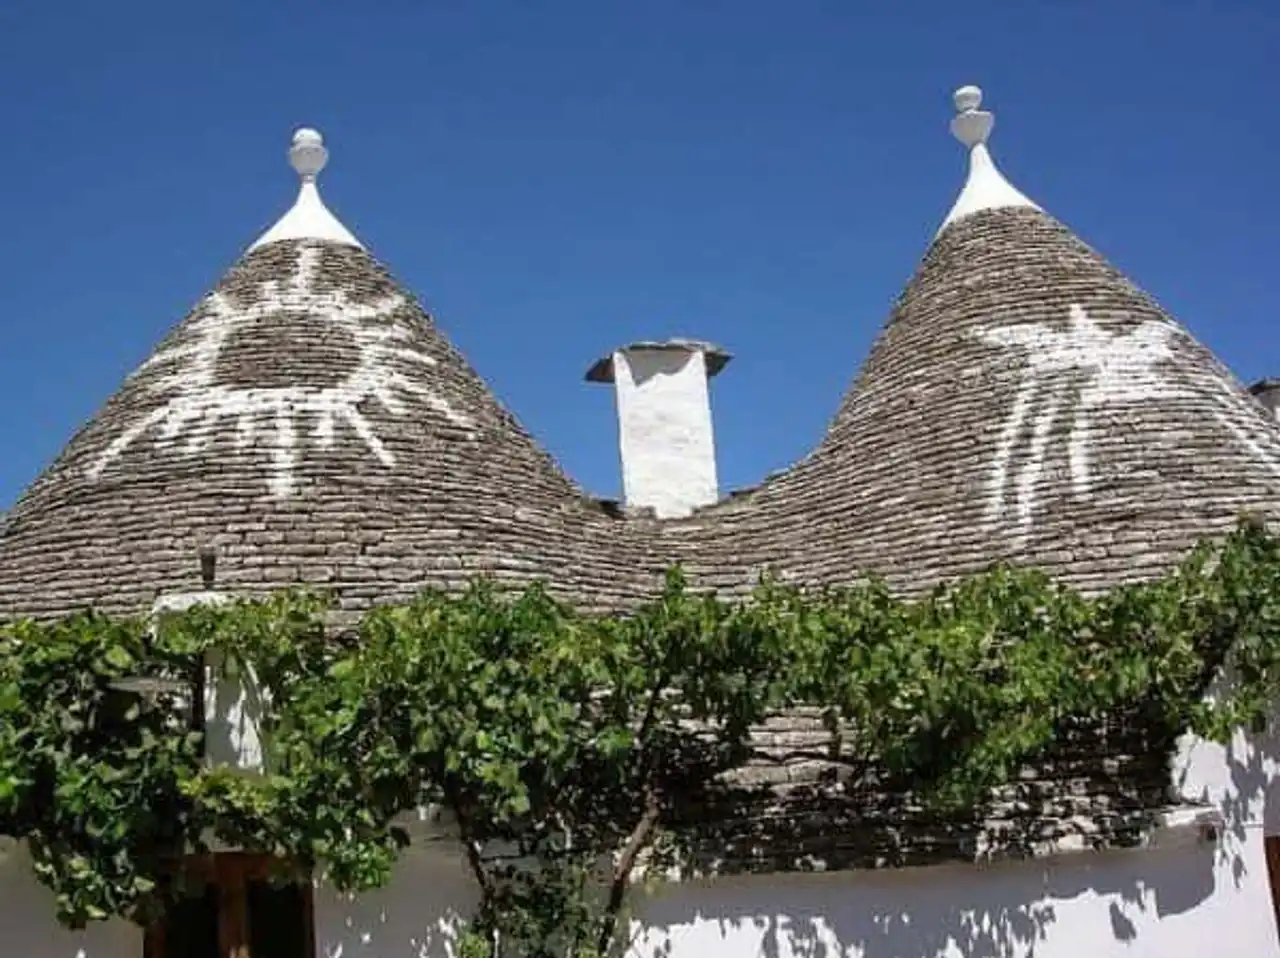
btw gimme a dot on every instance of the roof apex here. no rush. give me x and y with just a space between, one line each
308 218
986 187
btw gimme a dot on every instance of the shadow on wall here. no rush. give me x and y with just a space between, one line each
415 916
1090 904
1240 780
664 365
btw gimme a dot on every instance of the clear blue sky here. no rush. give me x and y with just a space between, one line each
554 179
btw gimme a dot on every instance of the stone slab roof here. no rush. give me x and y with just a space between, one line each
1024 402
309 422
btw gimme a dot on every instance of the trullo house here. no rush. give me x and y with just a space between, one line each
307 423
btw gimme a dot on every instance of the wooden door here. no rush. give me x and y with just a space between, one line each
237 911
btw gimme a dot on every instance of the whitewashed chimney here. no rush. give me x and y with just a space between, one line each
664 422
234 706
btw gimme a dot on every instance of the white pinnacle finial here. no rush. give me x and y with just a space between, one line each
307 155
309 218
967 98
986 187
970 125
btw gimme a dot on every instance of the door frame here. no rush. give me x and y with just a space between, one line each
230 873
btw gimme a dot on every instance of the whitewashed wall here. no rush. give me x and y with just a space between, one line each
1189 900
1166 903
28 928
413 917
1240 779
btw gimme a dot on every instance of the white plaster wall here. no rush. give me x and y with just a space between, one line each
1188 901
664 414
413 917
1240 779
28 928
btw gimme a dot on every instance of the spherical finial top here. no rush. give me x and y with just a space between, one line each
967 98
971 125
308 154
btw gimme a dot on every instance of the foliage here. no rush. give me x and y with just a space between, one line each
563 747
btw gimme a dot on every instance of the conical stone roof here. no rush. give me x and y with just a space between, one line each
309 423
1025 402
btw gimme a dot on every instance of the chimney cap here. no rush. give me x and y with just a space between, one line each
601 370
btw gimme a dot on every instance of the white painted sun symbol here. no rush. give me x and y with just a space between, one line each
198 403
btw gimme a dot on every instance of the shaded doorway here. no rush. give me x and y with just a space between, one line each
236 910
